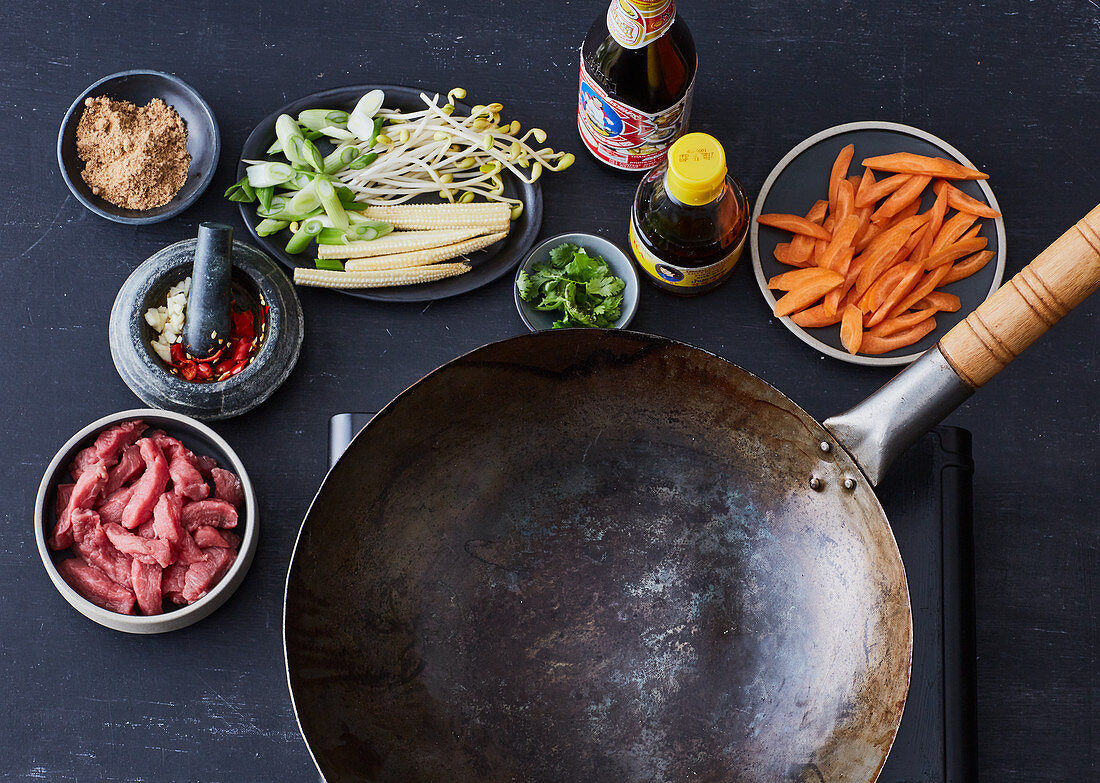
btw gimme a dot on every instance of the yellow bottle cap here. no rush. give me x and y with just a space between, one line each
696 169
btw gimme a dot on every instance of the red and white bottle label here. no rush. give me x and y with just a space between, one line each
625 137
635 23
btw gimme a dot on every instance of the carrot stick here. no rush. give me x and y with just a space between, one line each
901 323
926 286
839 173
841 242
941 300
789 281
908 163
964 203
935 222
968 266
882 252
954 228
878 292
874 345
871 191
905 212
802 246
815 317
955 251
902 197
845 198
805 295
796 224
851 329
914 272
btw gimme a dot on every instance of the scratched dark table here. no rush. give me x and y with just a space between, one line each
1014 84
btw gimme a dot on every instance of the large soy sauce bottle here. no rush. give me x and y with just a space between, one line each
638 66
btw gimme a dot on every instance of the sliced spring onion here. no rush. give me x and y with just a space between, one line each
361 126
319 119
329 263
343 134
263 175
302 237
363 161
241 191
265 195
331 236
305 200
268 226
326 193
369 104
312 155
290 137
338 158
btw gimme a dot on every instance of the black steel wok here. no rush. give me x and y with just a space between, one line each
603 556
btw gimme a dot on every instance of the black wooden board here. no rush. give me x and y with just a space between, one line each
1014 84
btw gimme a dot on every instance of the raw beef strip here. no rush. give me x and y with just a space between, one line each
189 551
172 583
61 502
83 496
129 465
147 530
84 459
206 536
108 445
215 513
204 464
227 487
166 526
186 479
147 550
94 585
147 579
110 510
149 487
204 574
96 550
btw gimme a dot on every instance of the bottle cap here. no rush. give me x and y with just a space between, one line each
696 169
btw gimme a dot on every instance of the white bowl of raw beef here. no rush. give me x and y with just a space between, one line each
146 521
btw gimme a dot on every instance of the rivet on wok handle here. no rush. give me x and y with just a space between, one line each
826 447
849 484
816 484
881 427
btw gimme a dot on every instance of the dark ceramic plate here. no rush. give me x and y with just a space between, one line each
801 178
140 87
488 264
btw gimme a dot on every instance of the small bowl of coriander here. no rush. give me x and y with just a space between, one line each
576 280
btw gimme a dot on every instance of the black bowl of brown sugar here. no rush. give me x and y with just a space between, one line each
138 147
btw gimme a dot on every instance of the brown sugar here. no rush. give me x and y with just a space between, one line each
135 157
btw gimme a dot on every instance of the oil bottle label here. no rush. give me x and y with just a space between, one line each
636 23
623 136
679 276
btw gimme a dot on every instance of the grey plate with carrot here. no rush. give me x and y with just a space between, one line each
802 178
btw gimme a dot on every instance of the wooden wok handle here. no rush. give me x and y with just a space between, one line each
1017 313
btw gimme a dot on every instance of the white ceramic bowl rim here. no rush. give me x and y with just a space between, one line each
177 618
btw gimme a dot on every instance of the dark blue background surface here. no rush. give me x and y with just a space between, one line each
1013 85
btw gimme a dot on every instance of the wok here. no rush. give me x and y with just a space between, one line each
596 555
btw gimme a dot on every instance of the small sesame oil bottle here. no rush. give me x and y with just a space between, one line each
690 218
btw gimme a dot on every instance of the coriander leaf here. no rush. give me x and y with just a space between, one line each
528 287
562 254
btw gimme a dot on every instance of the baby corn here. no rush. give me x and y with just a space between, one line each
494 215
326 278
402 242
423 257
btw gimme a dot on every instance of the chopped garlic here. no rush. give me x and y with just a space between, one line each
168 319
